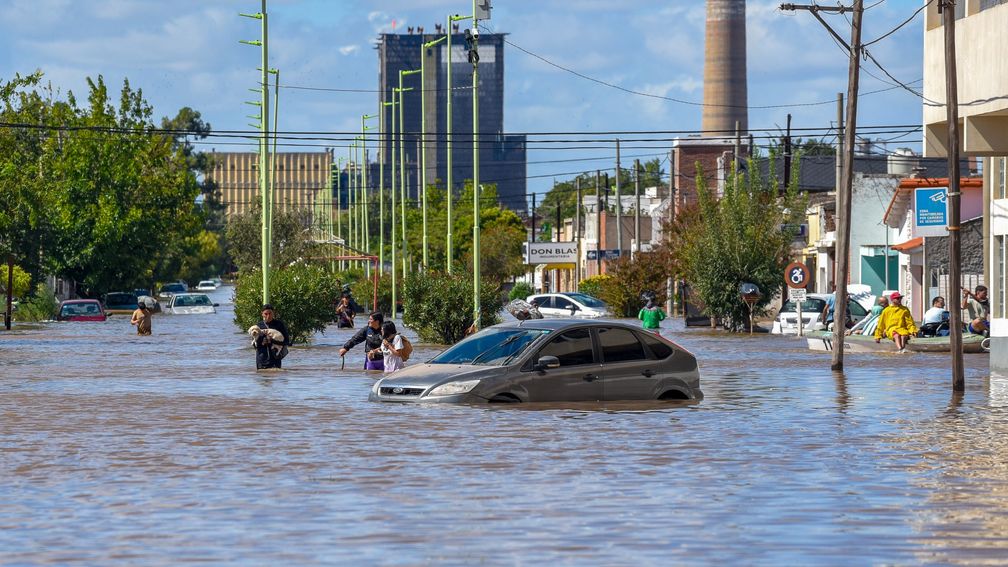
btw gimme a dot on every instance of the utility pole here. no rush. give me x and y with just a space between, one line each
598 223
385 139
787 155
619 204
473 35
450 187
636 222
841 134
947 8
264 163
423 129
402 165
533 235
392 237
843 196
364 184
577 231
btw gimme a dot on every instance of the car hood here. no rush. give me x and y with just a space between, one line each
427 375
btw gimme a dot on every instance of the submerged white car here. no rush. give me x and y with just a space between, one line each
786 322
206 285
571 304
190 303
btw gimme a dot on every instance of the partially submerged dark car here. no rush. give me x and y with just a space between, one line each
550 360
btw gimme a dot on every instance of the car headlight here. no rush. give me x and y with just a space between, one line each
454 388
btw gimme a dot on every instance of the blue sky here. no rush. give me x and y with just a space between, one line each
186 53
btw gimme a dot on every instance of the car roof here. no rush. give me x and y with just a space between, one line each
562 324
190 294
80 301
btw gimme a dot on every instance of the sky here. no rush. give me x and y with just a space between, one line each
187 53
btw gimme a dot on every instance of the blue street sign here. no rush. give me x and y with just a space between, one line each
609 254
930 211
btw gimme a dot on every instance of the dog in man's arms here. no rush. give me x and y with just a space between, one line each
266 337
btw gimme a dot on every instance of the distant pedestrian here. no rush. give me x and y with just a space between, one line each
371 336
651 315
392 345
141 319
344 314
269 352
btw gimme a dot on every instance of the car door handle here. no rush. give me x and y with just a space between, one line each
590 377
648 372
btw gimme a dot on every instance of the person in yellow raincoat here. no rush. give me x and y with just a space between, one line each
896 323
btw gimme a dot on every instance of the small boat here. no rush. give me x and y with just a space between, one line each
823 341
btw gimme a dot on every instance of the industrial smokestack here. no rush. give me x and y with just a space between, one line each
725 97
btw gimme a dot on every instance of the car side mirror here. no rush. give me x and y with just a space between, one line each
546 362
216 304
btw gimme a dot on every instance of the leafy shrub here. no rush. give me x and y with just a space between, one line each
438 306
303 295
622 291
40 306
521 290
593 285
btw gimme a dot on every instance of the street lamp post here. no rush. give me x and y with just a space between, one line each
264 148
367 223
402 163
381 185
474 59
423 132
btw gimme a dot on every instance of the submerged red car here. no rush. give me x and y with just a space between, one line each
81 310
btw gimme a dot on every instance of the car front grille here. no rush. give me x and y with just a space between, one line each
400 391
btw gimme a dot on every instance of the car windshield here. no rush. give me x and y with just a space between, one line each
175 287
588 300
490 347
191 300
810 305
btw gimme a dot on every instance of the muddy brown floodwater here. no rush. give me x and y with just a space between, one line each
172 449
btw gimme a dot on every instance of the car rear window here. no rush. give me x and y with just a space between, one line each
660 348
120 299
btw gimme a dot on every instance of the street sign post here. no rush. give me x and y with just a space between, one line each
797 276
607 254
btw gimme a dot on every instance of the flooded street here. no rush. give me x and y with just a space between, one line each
119 449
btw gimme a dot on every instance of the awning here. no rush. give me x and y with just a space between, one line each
555 267
909 245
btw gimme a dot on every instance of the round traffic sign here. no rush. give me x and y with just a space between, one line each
797 275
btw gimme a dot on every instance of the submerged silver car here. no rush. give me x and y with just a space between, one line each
550 360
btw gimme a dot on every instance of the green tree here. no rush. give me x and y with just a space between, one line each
123 195
438 305
291 239
745 236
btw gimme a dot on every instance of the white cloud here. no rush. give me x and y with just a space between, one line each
349 49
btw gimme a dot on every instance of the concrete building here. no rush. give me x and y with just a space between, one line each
924 260
302 179
502 157
982 80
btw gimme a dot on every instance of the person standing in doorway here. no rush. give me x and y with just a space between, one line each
142 319
371 336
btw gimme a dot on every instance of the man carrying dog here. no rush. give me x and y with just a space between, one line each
371 336
266 356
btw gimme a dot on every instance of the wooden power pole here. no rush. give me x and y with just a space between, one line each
947 7
844 195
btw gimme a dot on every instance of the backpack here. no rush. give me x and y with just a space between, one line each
407 348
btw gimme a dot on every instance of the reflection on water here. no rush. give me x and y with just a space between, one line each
118 449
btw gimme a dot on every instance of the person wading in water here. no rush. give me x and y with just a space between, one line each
371 336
